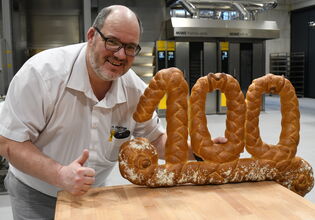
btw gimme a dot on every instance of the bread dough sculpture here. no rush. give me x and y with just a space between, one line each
138 159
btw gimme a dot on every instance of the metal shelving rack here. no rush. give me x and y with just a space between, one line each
291 66
280 64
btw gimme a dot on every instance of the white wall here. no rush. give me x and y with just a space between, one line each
281 15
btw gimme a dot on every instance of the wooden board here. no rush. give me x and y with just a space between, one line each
261 200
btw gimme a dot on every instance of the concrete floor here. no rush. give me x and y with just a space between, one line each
270 127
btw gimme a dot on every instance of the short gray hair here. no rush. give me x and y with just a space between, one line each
104 13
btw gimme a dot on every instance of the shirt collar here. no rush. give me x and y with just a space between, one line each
79 80
115 95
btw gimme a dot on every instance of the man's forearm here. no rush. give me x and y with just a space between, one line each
26 157
159 144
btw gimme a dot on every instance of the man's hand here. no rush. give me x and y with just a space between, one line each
75 178
219 140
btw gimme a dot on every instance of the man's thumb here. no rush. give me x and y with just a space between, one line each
83 158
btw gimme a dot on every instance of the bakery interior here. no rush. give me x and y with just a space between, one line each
245 39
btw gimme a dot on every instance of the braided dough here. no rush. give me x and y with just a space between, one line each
138 159
170 82
201 142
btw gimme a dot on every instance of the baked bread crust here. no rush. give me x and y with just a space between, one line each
171 82
138 159
201 141
290 123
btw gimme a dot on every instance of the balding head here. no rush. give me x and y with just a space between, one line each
115 10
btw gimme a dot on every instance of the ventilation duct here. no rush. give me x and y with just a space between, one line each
189 7
242 10
246 9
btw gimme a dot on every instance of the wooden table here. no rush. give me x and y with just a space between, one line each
260 200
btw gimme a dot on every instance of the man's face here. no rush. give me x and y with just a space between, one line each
109 65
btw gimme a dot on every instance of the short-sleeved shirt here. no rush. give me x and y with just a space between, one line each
51 103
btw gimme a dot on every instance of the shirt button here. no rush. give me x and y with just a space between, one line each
94 125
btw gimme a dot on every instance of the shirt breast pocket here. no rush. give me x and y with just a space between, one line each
113 149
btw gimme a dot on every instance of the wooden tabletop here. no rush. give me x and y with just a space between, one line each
255 200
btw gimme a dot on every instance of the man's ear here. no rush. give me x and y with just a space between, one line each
90 34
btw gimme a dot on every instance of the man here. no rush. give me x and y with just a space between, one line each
62 111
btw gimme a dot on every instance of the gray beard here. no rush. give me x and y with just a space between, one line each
97 69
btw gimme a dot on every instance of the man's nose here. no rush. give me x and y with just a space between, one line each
120 53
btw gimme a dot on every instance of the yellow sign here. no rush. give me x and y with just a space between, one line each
162 104
161 45
223 99
170 45
224 45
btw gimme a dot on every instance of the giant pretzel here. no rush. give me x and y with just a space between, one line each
138 159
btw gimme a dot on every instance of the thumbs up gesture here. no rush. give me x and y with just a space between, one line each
75 178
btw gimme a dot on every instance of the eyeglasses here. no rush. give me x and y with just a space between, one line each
115 45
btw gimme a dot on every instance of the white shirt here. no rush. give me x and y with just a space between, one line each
51 103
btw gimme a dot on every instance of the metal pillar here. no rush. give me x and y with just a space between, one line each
3 72
7 67
86 16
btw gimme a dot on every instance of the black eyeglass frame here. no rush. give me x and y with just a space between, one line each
123 45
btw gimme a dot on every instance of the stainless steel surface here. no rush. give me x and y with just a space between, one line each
143 64
234 60
19 34
147 48
211 103
210 57
210 65
49 31
53 5
205 28
182 58
53 23
3 68
259 60
86 17
143 60
142 70
7 35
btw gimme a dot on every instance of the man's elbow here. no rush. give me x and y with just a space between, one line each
4 147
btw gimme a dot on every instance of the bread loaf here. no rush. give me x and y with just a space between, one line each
171 82
138 159
201 142
290 123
